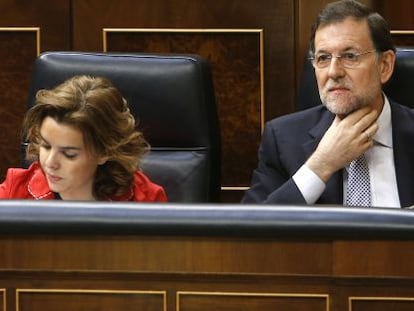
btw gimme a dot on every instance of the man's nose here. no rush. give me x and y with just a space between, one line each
336 69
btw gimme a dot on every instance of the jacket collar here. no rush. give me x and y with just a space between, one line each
316 133
38 186
402 119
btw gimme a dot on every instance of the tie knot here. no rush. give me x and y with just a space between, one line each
360 162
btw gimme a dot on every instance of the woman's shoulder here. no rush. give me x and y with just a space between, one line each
146 190
143 190
17 181
23 174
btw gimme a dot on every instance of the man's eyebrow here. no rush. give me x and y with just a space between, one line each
347 49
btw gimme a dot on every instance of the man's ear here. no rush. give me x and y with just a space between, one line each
387 62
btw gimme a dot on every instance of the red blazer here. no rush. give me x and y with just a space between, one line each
31 183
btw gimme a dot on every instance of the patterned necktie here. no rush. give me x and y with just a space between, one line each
358 191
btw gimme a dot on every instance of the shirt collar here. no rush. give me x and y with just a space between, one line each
384 134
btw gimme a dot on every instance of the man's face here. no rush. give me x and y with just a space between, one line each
343 90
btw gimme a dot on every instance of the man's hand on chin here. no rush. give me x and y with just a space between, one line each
345 140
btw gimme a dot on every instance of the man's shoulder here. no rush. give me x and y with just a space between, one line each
399 111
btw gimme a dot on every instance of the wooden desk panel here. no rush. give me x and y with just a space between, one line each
202 273
165 253
205 301
103 300
387 258
381 303
184 258
2 299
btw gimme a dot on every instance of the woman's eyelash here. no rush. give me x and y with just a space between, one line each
70 156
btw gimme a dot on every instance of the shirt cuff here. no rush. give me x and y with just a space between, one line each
309 184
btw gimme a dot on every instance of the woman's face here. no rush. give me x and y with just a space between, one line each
66 163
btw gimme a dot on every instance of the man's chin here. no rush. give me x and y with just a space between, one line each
341 110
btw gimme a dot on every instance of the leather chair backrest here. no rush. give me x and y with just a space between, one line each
398 88
172 97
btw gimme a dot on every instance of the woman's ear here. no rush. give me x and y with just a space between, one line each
387 65
102 160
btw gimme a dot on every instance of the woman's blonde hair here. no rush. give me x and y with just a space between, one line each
95 107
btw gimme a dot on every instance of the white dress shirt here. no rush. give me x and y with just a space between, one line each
384 191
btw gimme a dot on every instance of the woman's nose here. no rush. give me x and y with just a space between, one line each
52 161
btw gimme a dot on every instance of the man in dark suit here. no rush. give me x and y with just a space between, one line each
304 157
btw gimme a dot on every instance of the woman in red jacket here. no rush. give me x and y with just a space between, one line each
84 146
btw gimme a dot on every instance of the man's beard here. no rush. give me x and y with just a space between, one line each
343 104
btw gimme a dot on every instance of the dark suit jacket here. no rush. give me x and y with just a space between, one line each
288 142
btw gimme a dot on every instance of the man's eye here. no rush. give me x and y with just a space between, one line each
323 58
349 56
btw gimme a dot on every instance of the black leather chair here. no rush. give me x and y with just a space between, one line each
399 88
172 97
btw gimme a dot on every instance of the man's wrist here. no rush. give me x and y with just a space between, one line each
319 167
309 184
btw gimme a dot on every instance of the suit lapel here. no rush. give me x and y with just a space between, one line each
402 135
333 193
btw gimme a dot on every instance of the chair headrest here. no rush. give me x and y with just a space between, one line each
399 88
166 93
